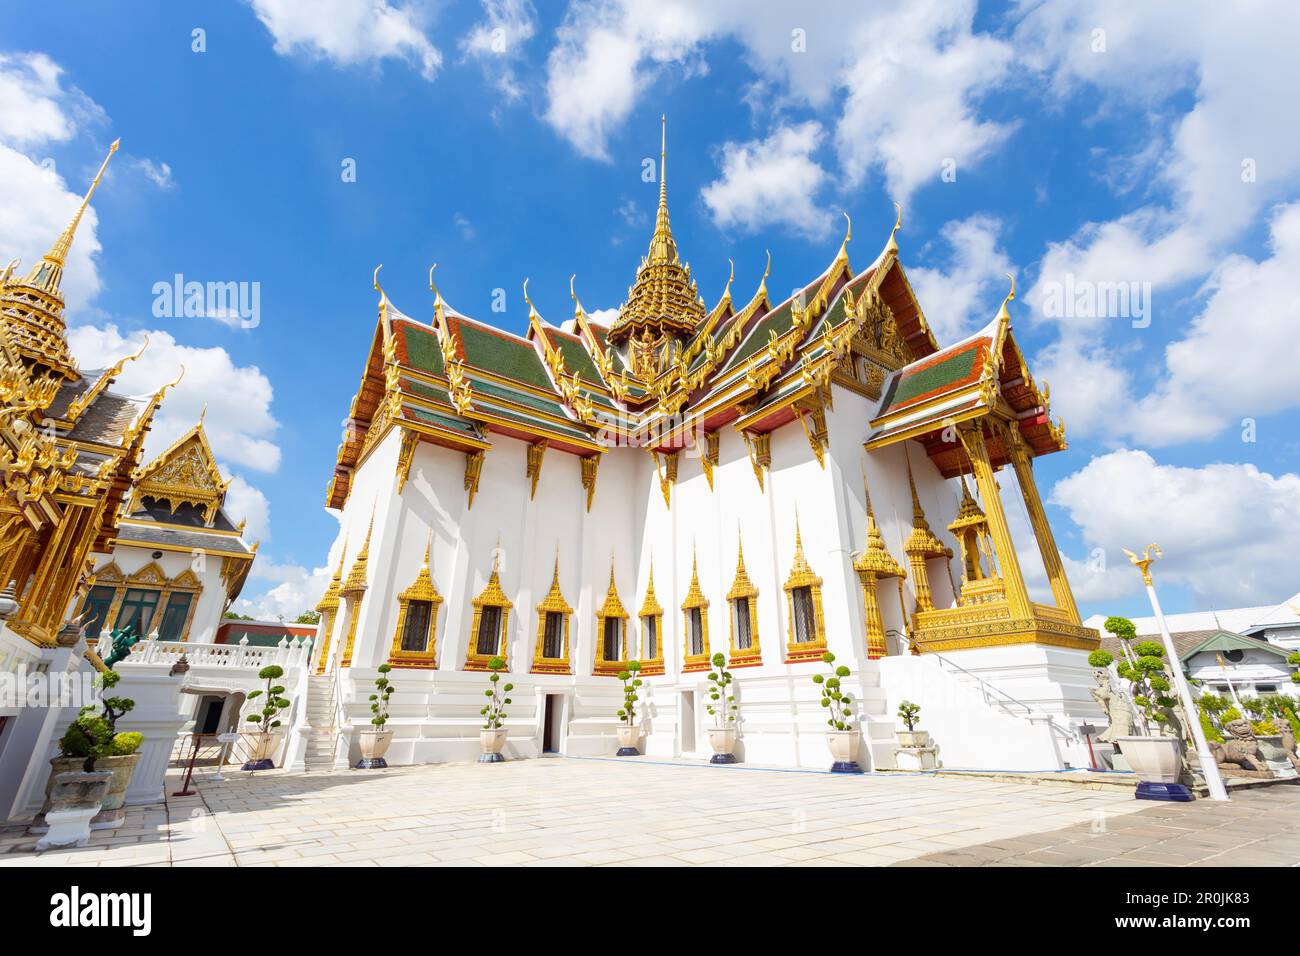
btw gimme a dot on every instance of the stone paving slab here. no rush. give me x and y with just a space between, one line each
642 812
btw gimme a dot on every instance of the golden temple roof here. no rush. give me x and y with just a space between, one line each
664 297
33 306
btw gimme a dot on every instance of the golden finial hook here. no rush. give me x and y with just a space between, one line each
433 288
375 279
1147 559
1003 313
892 244
531 311
726 293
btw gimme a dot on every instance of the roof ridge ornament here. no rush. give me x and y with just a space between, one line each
892 244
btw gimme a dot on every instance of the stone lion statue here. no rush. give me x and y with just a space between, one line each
1240 749
1288 743
1117 710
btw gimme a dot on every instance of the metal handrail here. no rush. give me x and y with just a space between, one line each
986 687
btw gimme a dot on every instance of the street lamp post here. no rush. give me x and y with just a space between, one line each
1209 767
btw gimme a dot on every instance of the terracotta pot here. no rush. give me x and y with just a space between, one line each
1154 759
374 743
914 738
628 738
491 741
844 746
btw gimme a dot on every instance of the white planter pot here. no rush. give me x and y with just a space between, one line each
373 744
723 740
914 738
262 748
1154 759
490 744
628 738
844 745
74 799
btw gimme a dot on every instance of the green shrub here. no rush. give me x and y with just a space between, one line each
1100 659
494 711
1121 627
910 714
627 713
722 702
274 701
379 699
125 743
838 703
1229 715
1264 728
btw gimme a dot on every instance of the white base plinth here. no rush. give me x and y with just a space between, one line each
916 758
67 828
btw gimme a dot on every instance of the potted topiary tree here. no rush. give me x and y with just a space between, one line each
629 731
374 742
119 756
492 738
1157 758
725 733
910 714
843 738
267 736
76 795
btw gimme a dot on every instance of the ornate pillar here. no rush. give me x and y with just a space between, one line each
1038 518
1013 580
871 614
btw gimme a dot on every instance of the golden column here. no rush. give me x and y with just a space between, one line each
972 435
875 563
921 544
1038 518
353 590
328 609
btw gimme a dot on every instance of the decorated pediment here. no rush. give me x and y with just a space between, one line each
186 473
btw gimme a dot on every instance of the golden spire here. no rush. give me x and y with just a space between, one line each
875 556
922 539
356 582
47 273
664 297
330 600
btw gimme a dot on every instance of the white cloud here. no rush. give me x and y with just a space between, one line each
771 182
350 32
247 503
1230 532
961 300
35 108
160 174
293 589
239 422
497 41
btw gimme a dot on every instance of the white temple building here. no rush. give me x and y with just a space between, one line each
766 479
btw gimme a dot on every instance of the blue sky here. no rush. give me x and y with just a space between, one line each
1091 143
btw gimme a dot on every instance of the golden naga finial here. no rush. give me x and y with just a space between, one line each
573 294
848 235
532 311
767 270
383 296
1003 313
1147 559
892 244
726 293
433 288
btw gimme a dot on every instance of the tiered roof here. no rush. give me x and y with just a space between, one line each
756 367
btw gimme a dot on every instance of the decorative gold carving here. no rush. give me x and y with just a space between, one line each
421 589
921 546
553 603
590 464
536 451
760 453
186 473
667 474
709 455
743 590
873 564
405 456
354 589
473 470
652 610
695 602
490 596
612 609
802 578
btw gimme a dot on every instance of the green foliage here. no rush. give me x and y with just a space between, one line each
1229 715
1212 703
125 743
232 616
308 617
379 699
1257 707
494 711
1121 627
274 702
838 703
631 683
909 713
722 701
1207 727
1293 659
1100 658
1264 728
89 736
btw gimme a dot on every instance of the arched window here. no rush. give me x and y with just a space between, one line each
652 630
488 631
551 655
807 623
415 638
612 651
742 600
695 615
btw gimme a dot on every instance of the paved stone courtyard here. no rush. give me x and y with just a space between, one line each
574 812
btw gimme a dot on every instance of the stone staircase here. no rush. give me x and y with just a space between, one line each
319 755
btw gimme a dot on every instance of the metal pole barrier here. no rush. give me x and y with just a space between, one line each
185 790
